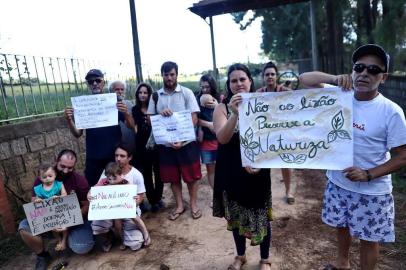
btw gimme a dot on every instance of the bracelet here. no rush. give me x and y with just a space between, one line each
369 176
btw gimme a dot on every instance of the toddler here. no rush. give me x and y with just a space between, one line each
114 176
50 188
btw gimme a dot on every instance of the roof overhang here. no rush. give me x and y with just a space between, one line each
209 8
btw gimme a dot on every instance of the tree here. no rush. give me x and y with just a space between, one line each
341 26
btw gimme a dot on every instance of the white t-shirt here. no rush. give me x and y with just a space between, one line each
378 126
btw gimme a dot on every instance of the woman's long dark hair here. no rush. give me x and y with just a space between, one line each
137 91
232 68
213 86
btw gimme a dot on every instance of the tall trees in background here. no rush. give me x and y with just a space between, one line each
341 26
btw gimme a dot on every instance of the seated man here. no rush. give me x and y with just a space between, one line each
131 233
80 238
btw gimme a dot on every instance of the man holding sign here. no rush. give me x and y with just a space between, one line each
80 238
132 236
100 142
178 159
358 201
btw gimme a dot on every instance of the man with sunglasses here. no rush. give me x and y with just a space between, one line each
100 142
80 238
358 201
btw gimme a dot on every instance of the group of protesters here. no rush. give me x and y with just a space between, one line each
357 201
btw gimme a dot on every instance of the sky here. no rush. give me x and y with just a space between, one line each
101 30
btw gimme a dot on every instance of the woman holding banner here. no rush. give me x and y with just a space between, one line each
242 195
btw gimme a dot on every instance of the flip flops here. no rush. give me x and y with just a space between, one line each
197 214
175 215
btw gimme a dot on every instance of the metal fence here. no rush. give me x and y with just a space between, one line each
32 86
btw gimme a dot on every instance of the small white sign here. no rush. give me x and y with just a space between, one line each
94 111
176 128
112 202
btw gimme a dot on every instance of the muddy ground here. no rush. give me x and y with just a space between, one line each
299 241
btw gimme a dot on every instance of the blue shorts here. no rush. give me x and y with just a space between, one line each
208 156
80 237
368 217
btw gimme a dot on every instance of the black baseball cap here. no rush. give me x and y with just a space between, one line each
94 73
371 49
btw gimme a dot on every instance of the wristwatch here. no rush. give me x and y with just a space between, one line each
369 176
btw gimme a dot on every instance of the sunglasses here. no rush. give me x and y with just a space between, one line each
91 81
371 69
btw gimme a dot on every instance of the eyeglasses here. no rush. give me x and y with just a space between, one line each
91 81
371 69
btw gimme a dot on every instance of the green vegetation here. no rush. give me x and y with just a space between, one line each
341 26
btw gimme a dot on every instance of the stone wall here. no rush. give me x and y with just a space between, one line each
22 148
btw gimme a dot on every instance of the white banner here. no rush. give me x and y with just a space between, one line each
94 111
50 214
112 202
297 129
176 128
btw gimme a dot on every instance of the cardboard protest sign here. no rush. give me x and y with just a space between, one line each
94 111
112 202
55 213
297 129
176 128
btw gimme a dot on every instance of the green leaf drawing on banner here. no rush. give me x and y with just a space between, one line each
244 142
249 153
343 134
338 121
332 136
249 134
288 158
300 158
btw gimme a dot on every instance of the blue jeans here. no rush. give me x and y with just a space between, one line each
80 237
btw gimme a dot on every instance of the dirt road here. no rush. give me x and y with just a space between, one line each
299 241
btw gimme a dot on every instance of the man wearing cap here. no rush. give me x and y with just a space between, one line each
358 201
100 142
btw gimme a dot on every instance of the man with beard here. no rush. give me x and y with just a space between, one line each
80 238
180 159
100 142
358 201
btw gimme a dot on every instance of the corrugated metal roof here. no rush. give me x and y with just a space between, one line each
208 8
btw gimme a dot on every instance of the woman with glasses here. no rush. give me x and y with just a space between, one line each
207 99
242 195
146 160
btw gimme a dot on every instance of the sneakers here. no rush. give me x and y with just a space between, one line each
42 262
